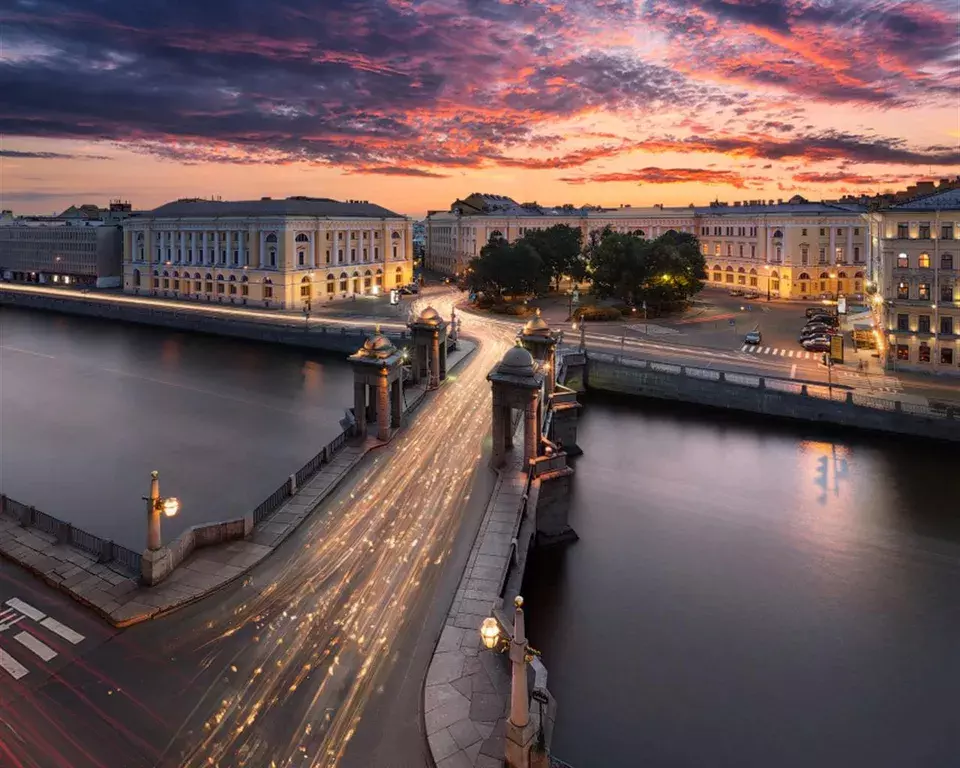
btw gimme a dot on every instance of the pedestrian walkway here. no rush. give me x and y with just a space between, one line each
466 698
796 354
30 640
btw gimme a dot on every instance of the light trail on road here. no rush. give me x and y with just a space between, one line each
321 635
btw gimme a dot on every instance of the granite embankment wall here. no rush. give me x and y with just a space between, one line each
770 397
332 338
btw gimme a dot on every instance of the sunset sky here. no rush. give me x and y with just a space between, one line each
412 103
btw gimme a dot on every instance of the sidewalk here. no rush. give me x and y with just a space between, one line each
466 697
120 598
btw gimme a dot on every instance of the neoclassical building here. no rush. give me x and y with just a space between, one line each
918 246
282 253
794 249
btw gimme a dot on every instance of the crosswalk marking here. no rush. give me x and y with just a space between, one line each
63 630
41 649
766 350
777 351
26 609
11 665
9 618
791 353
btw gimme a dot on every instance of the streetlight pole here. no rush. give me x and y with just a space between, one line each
155 505
767 267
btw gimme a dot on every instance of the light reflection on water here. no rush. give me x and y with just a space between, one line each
751 594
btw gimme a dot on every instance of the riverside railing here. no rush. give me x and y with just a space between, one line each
104 550
839 393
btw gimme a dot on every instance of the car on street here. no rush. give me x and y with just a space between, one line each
816 344
821 310
752 337
736 292
809 333
751 295
825 319
821 326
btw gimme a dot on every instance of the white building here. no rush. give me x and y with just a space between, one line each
793 249
919 278
273 253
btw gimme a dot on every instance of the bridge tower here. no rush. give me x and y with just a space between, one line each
516 383
537 338
377 377
429 332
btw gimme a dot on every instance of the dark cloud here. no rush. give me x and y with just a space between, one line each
392 170
653 175
48 155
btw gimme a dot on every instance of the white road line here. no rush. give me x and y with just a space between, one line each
793 371
783 352
42 650
10 621
62 629
766 350
13 667
26 609
775 350
743 348
791 353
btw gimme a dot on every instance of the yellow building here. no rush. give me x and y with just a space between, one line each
918 243
282 253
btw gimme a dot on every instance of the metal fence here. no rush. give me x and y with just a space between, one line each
103 550
275 500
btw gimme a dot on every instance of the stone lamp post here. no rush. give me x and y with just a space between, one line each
152 562
377 366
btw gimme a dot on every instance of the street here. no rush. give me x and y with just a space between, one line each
316 658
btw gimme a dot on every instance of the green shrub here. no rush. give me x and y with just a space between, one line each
598 314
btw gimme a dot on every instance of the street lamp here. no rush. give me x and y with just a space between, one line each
836 295
767 268
496 639
156 504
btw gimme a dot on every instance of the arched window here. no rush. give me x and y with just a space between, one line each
244 287
136 278
331 283
398 276
267 288
156 279
741 270
166 279
824 275
924 261
716 267
639 233
302 238
859 276
301 257
395 236
778 233
367 280
271 238
233 285
753 271
306 288
220 284
729 269
495 236
774 275
343 282
803 276
197 285
379 278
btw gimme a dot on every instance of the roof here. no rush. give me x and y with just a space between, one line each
290 206
794 209
947 200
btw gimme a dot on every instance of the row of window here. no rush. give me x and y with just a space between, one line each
923 231
302 237
923 324
923 292
923 261
229 285
923 354
752 232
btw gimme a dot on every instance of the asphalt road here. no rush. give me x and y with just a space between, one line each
316 658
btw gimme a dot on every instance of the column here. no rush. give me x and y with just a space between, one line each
241 246
360 407
313 249
832 255
383 404
435 361
193 247
396 403
498 454
849 251
128 245
531 431
253 257
768 255
262 247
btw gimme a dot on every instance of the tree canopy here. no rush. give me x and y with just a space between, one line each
507 269
661 271
560 249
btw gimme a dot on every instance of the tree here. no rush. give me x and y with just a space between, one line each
559 248
506 269
663 271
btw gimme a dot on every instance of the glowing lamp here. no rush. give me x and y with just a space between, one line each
170 506
490 633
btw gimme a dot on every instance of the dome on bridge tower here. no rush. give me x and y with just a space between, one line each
430 316
536 326
377 346
517 362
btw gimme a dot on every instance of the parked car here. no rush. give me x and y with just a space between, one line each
752 337
825 319
751 295
824 326
821 310
809 333
817 344
736 292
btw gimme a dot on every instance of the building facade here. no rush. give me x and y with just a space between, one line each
919 282
796 250
285 253
52 251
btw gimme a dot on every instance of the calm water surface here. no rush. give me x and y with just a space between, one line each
88 408
752 595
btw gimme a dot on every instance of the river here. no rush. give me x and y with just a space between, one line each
748 594
88 408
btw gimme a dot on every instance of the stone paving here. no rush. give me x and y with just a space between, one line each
467 693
